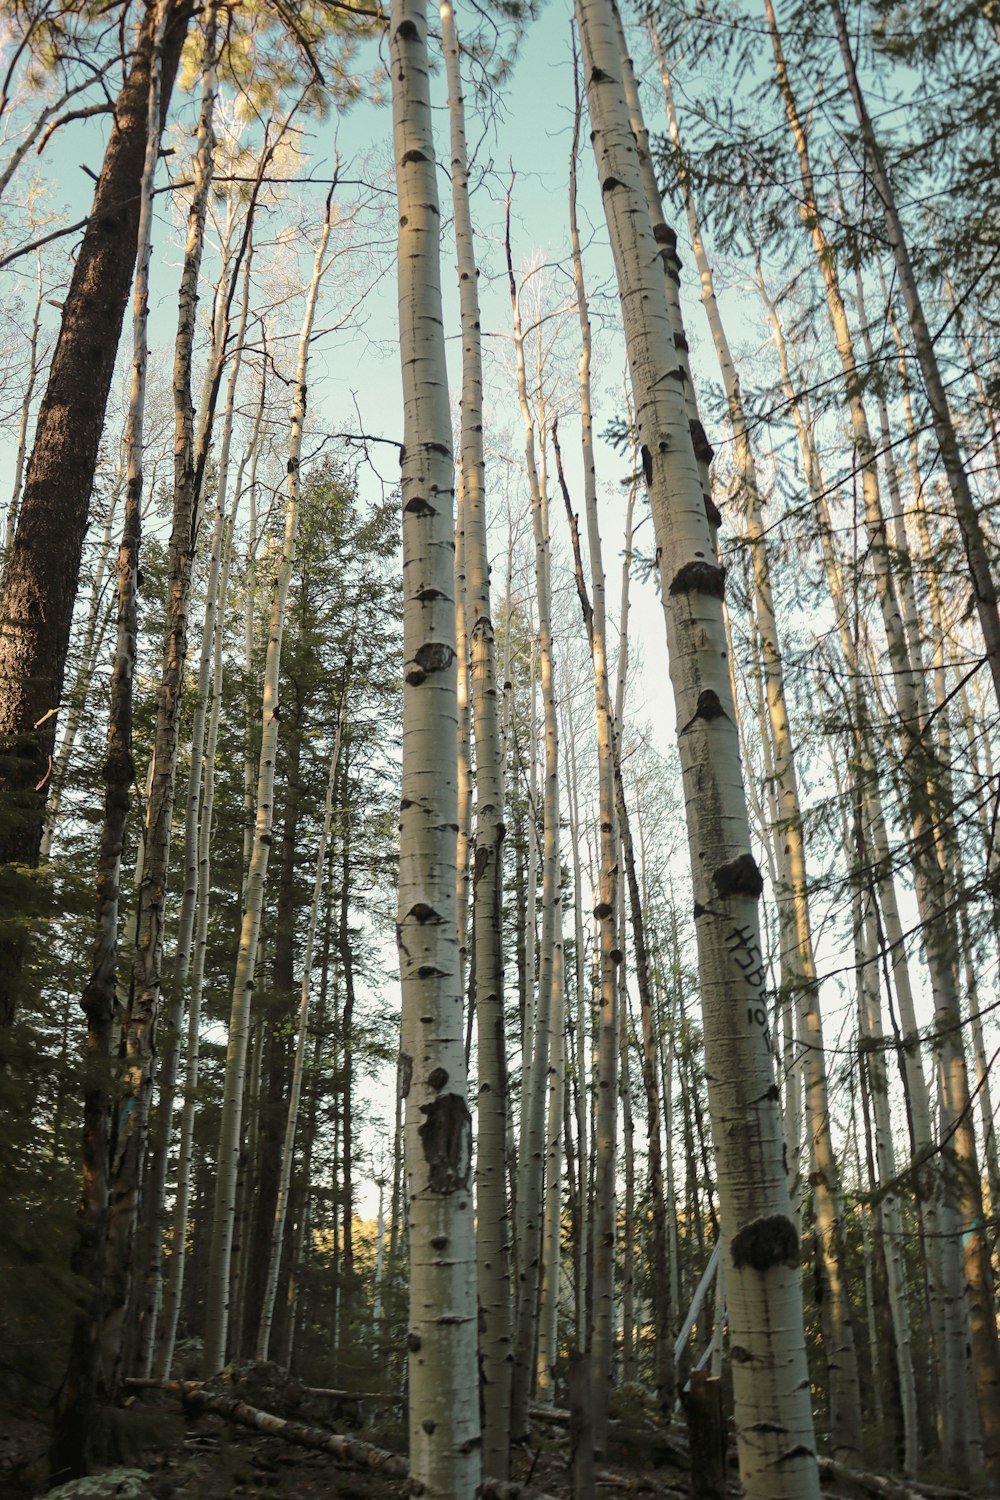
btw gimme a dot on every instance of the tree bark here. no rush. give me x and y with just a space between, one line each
92 1372
217 1311
773 1414
492 1219
443 1383
41 570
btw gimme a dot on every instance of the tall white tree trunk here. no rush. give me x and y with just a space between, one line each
217 1309
531 1202
492 1220
444 1385
793 892
174 1290
870 1027
773 1412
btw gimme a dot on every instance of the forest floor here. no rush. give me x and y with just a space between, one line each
202 1456
172 1448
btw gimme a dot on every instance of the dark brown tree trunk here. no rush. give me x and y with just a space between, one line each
41 573
282 1001
86 1383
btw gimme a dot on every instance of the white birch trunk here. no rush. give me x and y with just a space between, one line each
174 1290
492 1221
443 1375
872 1041
793 892
217 1310
773 1412
531 1203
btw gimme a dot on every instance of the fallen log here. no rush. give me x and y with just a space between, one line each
884 1487
348 1450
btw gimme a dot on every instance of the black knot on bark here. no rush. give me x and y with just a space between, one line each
602 909
709 706
414 1343
703 450
647 464
700 577
421 912
419 506
407 31
598 75
740 877
664 235
713 512
610 183
434 656
769 1241
446 1138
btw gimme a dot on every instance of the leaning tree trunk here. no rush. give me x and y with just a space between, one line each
983 585
964 1251
773 1410
93 1368
492 1220
42 568
840 1351
217 1310
443 1383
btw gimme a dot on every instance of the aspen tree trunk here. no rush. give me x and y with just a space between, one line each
142 1011
897 513
773 1414
493 1269
872 1043
217 1310
628 1142
92 1373
533 1139
464 762
584 1240
663 1287
781 884
966 513
602 1338
42 566
443 1384
179 1237
937 1213
190 889
840 1351
551 1238
295 1093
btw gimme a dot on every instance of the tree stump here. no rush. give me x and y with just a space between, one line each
706 1430
581 1427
